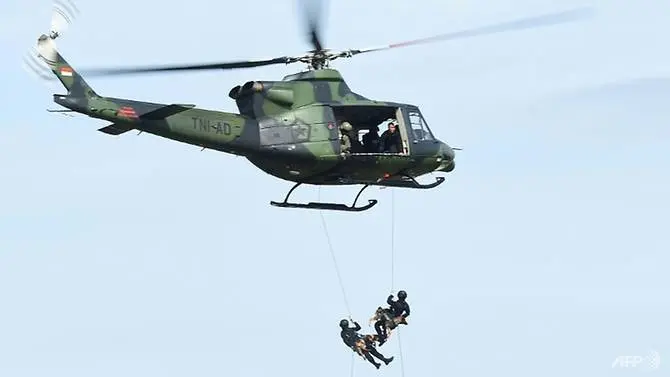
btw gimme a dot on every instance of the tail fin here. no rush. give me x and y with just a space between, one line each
75 84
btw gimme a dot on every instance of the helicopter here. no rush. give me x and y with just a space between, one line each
290 128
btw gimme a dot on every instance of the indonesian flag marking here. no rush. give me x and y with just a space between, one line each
66 71
126 112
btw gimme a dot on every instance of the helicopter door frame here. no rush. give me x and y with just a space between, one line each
402 128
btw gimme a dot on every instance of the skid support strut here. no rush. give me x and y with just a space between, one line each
328 206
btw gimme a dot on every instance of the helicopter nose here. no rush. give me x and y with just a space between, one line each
447 164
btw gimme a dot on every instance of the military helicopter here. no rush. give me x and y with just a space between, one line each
288 128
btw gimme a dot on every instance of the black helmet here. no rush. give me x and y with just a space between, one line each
402 295
344 323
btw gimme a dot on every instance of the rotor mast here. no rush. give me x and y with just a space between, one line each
317 60
320 59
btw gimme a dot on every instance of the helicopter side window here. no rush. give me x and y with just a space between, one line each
420 129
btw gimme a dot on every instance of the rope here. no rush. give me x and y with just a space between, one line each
332 255
337 270
339 276
402 364
392 237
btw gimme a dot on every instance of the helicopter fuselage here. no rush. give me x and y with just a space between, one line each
300 145
298 122
289 129
300 148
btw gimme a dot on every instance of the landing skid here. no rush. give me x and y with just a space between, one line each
326 206
411 183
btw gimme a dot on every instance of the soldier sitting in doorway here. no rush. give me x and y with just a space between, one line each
390 141
349 139
345 141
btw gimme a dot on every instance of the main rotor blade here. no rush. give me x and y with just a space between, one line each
520 24
189 67
313 13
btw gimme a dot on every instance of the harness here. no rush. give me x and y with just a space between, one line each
386 315
361 343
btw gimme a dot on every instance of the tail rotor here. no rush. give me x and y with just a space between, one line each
62 17
36 60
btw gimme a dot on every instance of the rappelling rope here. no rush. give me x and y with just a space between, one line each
332 255
339 276
402 364
392 237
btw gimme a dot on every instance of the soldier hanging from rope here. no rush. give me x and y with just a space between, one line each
388 319
362 344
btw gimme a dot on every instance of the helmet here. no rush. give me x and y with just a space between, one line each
402 295
344 323
346 126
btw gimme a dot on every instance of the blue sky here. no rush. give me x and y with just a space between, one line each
544 254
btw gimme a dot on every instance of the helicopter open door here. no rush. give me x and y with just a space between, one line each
372 119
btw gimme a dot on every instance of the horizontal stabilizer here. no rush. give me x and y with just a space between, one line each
115 129
165 112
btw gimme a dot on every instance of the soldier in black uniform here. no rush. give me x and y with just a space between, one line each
399 308
398 311
390 140
362 344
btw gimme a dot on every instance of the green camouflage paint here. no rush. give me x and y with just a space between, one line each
287 128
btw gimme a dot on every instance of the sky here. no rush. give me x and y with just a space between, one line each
545 253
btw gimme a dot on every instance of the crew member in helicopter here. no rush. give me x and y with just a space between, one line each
361 344
371 140
345 141
390 140
349 139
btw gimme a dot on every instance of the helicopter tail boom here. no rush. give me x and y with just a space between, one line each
125 113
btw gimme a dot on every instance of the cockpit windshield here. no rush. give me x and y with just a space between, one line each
420 130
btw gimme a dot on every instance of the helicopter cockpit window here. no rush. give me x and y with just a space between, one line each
420 129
